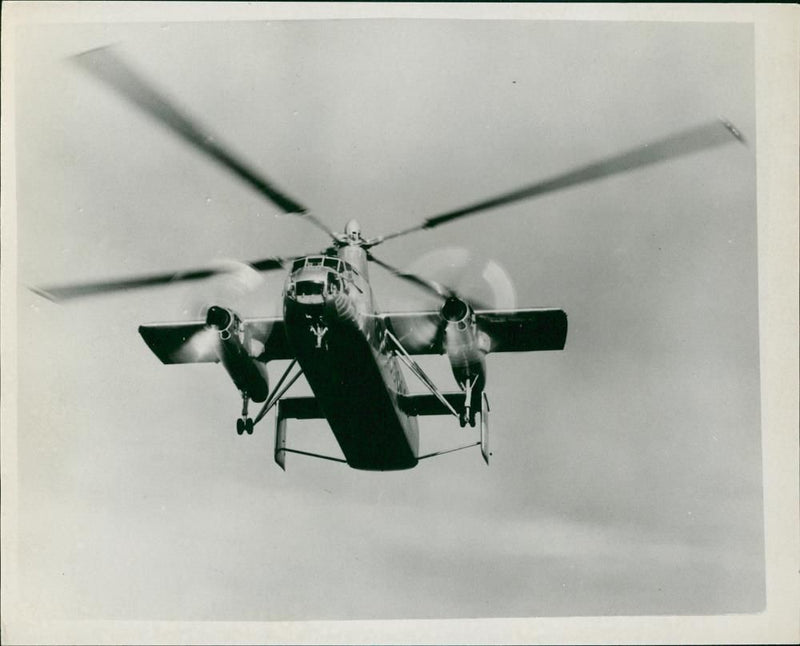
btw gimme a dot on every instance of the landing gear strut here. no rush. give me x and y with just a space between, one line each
244 423
468 415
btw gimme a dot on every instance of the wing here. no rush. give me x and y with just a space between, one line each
525 330
194 342
522 330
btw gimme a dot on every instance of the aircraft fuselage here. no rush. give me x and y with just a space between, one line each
343 350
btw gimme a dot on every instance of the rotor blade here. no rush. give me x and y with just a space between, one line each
112 70
66 292
695 139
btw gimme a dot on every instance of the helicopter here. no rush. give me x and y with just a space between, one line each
331 330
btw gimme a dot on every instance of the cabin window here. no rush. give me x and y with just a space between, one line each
334 285
298 264
333 263
314 262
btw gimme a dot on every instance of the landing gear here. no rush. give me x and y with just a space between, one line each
468 415
244 424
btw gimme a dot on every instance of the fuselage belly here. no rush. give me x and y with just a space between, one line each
356 381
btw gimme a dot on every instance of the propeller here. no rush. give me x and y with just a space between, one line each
235 281
231 289
200 344
467 273
66 292
108 67
431 286
688 141
460 277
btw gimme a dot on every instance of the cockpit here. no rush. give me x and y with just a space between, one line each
314 277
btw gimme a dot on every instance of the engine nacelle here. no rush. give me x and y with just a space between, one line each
465 344
249 376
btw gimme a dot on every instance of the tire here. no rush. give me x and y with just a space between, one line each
239 426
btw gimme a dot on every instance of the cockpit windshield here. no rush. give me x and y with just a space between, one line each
337 264
309 288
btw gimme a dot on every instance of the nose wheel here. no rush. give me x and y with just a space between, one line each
244 424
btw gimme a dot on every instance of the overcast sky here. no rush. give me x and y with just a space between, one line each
626 476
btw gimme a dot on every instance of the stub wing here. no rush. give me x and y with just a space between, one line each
522 330
195 342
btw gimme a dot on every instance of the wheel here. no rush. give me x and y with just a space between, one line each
462 420
248 426
240 426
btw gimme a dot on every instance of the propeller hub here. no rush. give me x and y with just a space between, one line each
454 309
218 317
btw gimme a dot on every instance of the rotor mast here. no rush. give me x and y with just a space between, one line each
351 248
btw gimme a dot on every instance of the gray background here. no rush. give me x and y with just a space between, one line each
626 476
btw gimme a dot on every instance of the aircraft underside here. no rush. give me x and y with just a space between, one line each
355 387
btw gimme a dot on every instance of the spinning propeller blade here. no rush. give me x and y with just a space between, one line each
683 143
199 345
229 288
431 286
67 292
469 274
107 66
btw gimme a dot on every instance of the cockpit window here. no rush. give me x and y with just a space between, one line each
309 288
331 262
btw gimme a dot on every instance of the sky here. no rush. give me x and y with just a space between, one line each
626 476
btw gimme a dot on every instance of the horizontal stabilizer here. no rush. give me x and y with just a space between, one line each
299 408
430 404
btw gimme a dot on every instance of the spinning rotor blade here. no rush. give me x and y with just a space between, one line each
683 143
109 68
66 292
